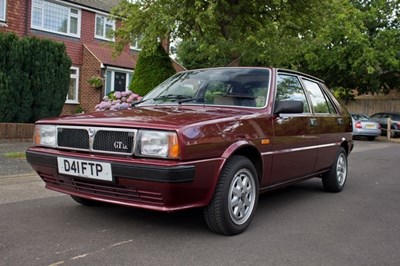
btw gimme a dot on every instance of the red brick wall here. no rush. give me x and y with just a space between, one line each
89 96
18 14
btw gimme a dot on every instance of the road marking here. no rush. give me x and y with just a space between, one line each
78 257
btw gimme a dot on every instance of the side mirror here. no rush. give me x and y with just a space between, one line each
288 107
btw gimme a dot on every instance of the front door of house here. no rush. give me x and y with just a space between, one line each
120 81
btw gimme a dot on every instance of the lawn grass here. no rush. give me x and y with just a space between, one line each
15 155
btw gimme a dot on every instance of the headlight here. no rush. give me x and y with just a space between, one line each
45 135
162 144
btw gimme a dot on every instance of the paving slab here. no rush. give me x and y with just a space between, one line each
14 166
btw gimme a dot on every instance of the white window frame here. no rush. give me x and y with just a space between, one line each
128 73
134 45
70 14
4 11
76 77
107 21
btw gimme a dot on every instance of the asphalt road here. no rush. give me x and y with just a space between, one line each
298 225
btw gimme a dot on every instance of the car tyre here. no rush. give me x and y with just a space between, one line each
235 198
85 202
335 179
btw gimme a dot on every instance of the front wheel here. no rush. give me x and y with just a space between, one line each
335 179
235 198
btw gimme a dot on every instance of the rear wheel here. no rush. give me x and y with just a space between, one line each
335 179
235 198
85 202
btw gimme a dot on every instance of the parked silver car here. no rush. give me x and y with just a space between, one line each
364 127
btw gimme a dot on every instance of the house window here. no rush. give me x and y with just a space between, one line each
72 96
104 28
117 80
135 43
56 18
3 5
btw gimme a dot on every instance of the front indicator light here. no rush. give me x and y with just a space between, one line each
173 151
45 135
161 144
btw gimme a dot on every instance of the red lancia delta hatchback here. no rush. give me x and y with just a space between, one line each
209 138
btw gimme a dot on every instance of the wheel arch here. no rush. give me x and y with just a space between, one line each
250 152
347 146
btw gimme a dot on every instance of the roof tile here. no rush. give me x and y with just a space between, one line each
103 5
105 55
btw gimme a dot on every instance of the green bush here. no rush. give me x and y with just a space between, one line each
37 78
151 70
8 108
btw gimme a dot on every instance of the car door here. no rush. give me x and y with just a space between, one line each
329 123
295 135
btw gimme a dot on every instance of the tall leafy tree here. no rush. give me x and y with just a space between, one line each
358 48
226 28
352 44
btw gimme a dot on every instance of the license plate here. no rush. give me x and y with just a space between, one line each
83 168
370 126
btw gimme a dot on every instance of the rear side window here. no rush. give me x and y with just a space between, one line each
319 100
395 117
289 89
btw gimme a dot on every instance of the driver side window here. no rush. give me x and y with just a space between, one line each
289 89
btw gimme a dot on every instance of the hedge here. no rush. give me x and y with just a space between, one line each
34 78
151 70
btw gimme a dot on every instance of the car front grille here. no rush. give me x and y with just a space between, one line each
73 138
96 139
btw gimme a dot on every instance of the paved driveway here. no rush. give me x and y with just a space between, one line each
298 225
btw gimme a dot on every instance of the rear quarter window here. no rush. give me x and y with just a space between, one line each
319 100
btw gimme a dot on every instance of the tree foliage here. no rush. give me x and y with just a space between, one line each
352 44
228 27
357 49
34 78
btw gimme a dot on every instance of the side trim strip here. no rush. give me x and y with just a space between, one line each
301 149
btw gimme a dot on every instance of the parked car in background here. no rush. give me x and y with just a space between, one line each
382 119
208 138
364 127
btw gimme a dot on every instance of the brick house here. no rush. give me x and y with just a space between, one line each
82 25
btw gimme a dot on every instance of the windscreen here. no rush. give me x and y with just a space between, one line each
220 86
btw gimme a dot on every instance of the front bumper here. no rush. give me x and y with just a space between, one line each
173 174
151 184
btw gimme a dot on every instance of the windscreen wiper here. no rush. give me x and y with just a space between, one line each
179 97
173 97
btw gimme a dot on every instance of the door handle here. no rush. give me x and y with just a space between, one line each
313 122
340 121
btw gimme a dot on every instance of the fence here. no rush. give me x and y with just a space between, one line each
372 106
10 131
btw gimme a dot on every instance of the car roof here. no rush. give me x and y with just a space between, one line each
289 71
280 70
